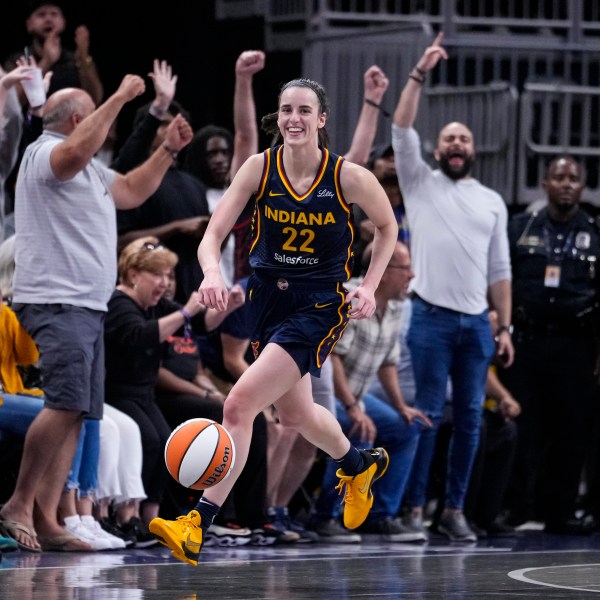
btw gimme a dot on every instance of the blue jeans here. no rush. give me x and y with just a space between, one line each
18 412
83 475
398 438
444 343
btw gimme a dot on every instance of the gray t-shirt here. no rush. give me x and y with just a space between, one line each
66 235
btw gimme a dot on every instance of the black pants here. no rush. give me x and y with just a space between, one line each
492 469
155 431
553 379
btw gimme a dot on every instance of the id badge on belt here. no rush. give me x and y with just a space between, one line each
552 276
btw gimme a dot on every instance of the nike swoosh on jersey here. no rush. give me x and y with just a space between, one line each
323 305
271 193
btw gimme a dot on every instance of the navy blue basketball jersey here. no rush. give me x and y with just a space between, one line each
302 236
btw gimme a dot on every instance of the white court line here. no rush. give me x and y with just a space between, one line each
519 575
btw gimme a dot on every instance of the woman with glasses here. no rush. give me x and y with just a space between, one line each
138 321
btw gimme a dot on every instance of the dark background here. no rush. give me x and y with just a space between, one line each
201 49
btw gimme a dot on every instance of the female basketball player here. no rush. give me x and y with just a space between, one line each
301 255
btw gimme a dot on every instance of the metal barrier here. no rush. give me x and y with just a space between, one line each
490 112
339 64
567 23
512 41
557 118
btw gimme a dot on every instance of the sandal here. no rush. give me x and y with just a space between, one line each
12 529
65 543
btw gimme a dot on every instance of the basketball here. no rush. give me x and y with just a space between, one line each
199 453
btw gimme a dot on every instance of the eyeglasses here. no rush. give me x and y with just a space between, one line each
150 246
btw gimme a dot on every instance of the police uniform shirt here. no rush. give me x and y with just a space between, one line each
555 270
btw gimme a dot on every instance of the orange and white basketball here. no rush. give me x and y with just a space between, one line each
199 453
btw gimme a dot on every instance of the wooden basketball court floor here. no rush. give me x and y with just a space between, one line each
533 565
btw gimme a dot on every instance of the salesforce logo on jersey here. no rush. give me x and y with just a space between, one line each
296 260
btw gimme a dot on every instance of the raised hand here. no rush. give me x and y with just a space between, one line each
179 133
131 87
51 50
249 62
433 54
82 42
165 84
376 83
21 72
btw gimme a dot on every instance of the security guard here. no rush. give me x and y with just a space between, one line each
554 255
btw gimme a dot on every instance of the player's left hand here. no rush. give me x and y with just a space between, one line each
213 292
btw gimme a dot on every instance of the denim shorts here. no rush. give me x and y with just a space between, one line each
70 340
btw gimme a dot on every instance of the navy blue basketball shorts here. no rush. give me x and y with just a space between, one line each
306 318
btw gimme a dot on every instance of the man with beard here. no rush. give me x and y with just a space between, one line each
459 246
46 25
554 254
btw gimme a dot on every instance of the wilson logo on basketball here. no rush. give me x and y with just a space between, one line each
199 453
221 469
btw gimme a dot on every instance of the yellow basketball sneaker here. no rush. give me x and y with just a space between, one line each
358 497
184 536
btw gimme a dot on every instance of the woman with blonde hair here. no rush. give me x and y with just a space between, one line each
138 321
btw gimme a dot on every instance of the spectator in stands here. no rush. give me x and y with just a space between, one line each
46 24
66 208
118 477
11 124
18 405
77 501
493 463
383 166
460 249
177 213
554 255
138 321
368 419
14 145
215 155
494 457
120 487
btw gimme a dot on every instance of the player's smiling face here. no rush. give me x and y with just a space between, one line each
299 116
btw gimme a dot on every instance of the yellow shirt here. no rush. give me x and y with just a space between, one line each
16 348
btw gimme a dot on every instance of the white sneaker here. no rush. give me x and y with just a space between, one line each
95 530
75 527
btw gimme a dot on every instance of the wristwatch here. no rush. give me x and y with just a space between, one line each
502 328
